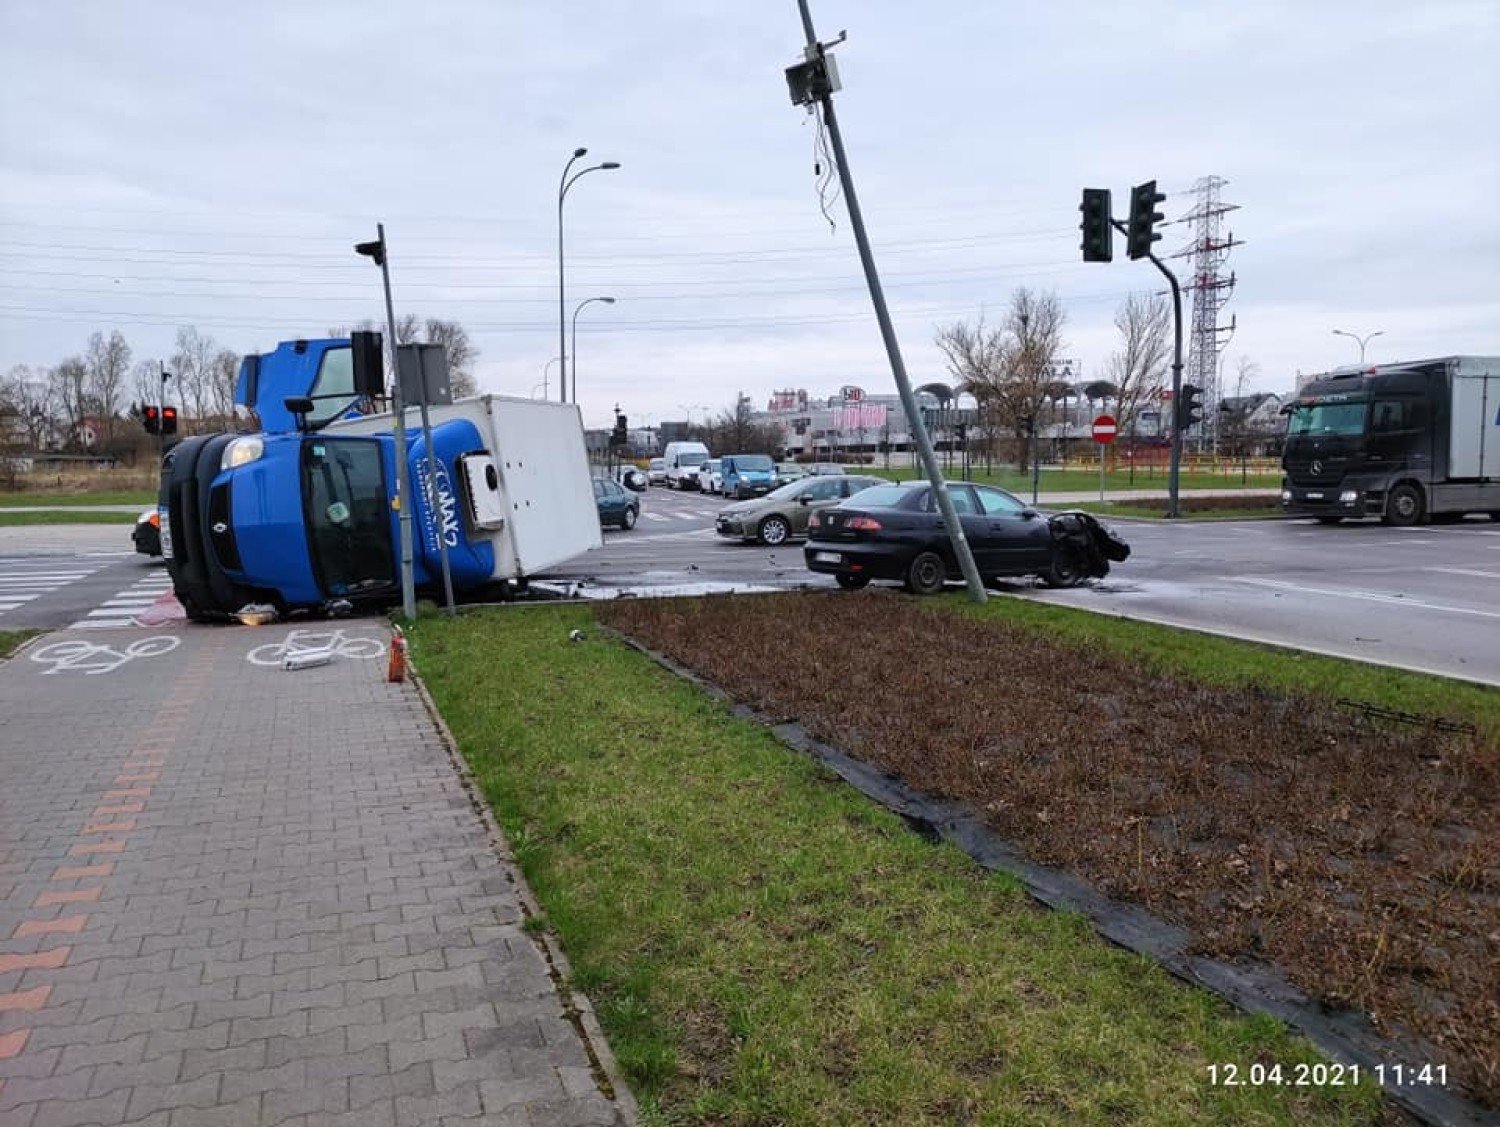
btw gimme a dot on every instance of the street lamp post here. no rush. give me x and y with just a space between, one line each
579 306
1361 340
563 185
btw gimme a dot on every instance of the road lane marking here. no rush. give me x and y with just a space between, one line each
1465 571
1368 596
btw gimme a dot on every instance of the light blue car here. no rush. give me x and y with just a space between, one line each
747 475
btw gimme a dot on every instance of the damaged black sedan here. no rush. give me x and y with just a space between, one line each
896 532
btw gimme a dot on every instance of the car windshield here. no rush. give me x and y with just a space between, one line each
880 497
1342 418
753 463
658 463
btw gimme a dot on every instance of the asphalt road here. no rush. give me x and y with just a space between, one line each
1425 598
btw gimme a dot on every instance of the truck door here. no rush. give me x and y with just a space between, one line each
1399 436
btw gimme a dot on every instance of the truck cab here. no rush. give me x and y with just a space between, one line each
1403 442
304 515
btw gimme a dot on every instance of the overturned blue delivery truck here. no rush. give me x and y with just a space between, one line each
303 514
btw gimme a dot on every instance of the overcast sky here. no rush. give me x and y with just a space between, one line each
209 164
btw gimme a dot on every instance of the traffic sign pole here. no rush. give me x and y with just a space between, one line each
1104 430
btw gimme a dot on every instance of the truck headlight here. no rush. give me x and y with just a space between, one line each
1349 496
241 452
1286 494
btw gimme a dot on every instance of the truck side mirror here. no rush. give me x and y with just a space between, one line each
298 405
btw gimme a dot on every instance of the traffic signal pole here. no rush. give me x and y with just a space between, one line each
1175 465
820 89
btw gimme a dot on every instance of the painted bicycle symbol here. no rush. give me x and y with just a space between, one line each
78 656
315 641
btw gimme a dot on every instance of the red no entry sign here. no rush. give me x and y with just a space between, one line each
1104 429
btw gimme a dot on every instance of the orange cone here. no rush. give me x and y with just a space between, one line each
395 669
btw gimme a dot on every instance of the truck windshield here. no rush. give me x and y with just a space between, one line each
691 459
1345 417
348 515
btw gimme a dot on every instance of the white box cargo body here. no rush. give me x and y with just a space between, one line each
1474 422
537 507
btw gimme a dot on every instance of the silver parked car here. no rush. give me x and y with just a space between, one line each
782 513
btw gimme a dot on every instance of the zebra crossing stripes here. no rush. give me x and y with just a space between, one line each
681 514
24 580
122 609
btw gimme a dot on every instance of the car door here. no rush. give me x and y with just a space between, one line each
1015 544
820 493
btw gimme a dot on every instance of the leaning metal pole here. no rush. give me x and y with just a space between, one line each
403 471
1175 465
918 429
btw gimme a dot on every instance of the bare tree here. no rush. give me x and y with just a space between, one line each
461 354
976 360
1008 370
224 372
69 381
31 399
192 368
108 361
145 382
1139 369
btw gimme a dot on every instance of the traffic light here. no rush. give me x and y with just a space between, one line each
1143 214
169 420
1189 406
619 435
1098 236
151 419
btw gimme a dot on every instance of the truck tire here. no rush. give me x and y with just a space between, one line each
926 573
1404 506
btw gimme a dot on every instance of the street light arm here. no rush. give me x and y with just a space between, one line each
569 181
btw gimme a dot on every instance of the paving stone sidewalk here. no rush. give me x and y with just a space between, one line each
236 894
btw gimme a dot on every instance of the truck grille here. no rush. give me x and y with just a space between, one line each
1316 471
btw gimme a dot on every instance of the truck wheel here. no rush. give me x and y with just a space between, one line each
627 522
773 531
926 574
1404 506
853 582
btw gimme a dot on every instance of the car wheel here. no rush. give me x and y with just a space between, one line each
1064 572
627 522
774 530
926 574
1404 506
1328 520
853 582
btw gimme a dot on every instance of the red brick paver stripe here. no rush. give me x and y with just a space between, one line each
129 792
122 826
64 925
11 1044
76 896
50 959
143 777
84 872
33 999
85 847
118 808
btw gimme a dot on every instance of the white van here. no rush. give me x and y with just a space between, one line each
683 460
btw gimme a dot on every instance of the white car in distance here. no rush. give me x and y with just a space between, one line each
710 480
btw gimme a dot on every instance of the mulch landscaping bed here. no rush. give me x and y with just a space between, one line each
1359 856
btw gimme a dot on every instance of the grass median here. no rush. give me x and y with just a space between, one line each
11 640
59 516
764 945
61 498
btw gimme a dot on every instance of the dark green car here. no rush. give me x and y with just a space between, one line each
617 505
782 514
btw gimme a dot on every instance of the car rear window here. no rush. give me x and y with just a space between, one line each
881 496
